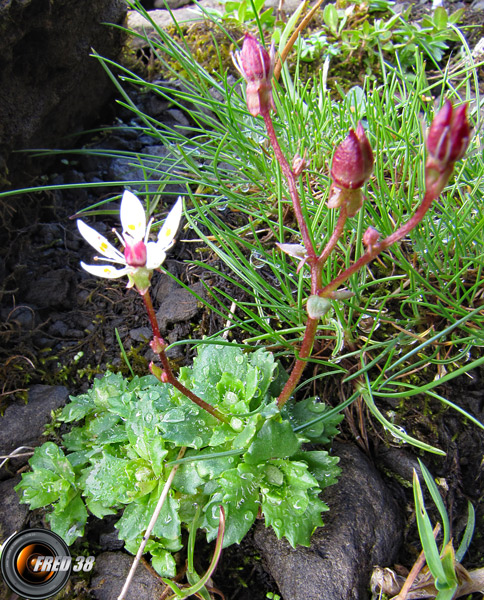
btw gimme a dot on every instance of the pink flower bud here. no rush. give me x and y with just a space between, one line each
255 60
135 254
256 66
448 137
370 238
352 160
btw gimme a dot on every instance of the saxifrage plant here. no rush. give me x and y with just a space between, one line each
227 432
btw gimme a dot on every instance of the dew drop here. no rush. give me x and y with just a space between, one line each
256 260
175 415
278 523
239 359
248 516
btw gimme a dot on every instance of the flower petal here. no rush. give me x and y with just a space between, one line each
99 242
155 255
170 226
296 250
133 218
106 271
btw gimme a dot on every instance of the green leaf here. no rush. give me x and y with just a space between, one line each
308 417
330 17
209 366
468 533
161 560
266 367
187 425
41 488
294 515
439 503
273 440
68 522
49 456
77 409
137 515
321 465
240 499
426 533
51 480
107 481
440 17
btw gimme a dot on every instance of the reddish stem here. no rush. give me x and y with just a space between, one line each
301 362
158 347
316 262
383 245
291 184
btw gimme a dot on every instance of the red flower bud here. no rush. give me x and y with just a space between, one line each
135 254
352 160
256 66
448 137
255 60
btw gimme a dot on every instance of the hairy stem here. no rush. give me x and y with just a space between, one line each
400 233
158 346
316 262
291 184
301 362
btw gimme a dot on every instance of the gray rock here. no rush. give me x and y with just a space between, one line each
110 541
12 515
362 528
173 4
50 86
110 572
141 334
23 424
158 161
162 18
53 289
176 303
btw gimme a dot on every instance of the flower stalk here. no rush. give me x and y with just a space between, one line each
351 168
141 257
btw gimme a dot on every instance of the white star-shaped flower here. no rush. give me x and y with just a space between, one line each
140 256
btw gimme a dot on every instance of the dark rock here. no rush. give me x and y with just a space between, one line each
23 424
110 572
363 528
110 541
54 289
58 329
173 4
24 316
12 515
50 86
141 334
176 303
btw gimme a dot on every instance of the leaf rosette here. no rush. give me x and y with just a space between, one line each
127 437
